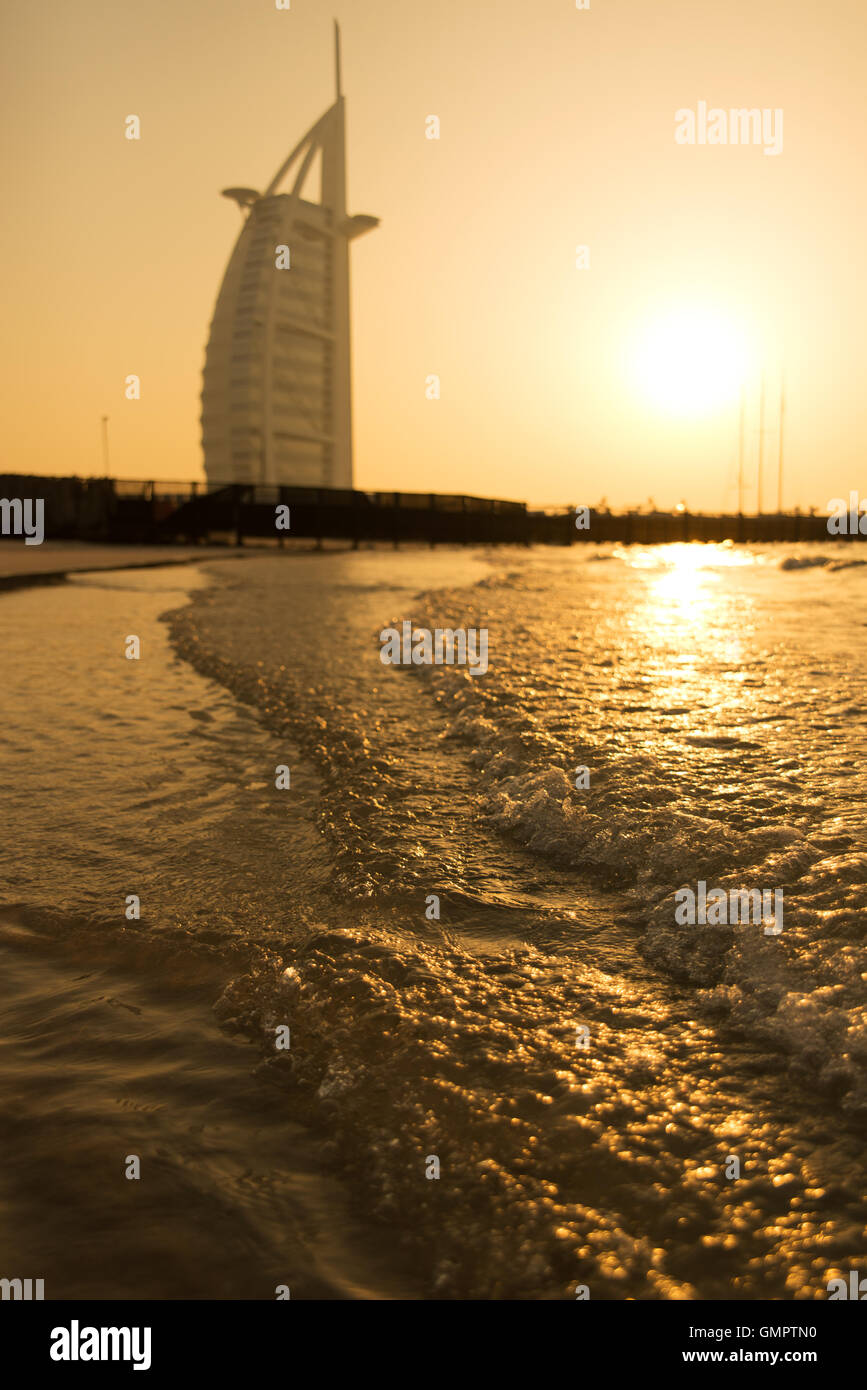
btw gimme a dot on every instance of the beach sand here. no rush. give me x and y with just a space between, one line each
50 561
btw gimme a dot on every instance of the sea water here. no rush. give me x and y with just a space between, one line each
513 1072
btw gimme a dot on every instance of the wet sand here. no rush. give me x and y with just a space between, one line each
53 560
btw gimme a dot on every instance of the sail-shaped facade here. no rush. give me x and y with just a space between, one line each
276 393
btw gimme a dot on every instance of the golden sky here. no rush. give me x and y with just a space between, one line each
558 384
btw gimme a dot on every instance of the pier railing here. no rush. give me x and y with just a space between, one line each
141 512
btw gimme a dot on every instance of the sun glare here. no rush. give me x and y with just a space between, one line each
690 361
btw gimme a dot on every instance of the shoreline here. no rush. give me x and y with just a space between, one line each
73 558
93 558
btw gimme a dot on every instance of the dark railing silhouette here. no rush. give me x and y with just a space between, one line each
144 512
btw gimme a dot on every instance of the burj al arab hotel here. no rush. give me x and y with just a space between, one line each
276 393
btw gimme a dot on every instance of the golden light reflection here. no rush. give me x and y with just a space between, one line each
683 582
694 622
686 577
682 556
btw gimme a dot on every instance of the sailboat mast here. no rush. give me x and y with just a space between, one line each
761 448
741 452
780 458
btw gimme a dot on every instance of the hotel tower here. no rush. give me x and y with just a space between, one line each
276 392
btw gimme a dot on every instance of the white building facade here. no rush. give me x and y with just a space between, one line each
276 393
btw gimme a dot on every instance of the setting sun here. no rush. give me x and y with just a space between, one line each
690 360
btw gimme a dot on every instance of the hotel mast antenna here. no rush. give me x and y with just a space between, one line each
276 391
